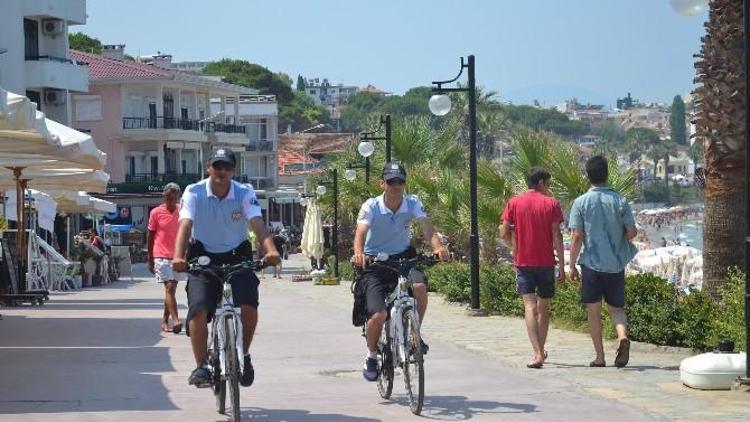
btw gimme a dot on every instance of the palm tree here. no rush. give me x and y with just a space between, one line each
720 123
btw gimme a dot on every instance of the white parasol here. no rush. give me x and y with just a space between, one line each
312 232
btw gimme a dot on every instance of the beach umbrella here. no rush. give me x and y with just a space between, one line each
29 140
312 232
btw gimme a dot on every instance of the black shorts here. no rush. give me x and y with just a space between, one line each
596 284
536 280
380 282
204 291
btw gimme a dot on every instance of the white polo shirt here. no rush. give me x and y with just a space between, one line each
220 224
389 232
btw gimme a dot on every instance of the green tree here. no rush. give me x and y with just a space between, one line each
82 42
300 83
677 125
252 75
639 141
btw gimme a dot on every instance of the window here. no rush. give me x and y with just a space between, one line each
88 107
31 39
131 165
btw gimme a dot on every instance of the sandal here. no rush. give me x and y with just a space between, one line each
535 365
595 364
623 353
165 327
177 329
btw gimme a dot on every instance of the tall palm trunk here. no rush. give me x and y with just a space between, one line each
720 124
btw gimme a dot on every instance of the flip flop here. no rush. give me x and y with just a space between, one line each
177 329
623 353
165 327
595 364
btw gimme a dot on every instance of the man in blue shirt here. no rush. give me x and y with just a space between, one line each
215 214
603 225
384 226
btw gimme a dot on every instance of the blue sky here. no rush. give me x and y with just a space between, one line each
548 50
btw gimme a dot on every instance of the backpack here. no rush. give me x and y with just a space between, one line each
359 308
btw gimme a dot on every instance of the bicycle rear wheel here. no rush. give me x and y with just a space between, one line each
233 366
219 384
413 361
385 375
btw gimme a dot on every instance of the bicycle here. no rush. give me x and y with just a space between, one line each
226 330
400 343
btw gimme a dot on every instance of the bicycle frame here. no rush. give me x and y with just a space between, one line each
226 309
399 301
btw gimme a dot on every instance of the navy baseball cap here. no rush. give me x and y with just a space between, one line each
224 155
394 170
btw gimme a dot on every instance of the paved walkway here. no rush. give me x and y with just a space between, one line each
98 355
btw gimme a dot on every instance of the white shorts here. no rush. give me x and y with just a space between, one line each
164 272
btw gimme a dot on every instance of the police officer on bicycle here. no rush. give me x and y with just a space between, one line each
384 226
214 216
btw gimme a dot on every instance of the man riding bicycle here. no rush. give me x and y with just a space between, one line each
214 215
383 226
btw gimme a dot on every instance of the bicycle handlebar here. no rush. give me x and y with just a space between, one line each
404 264
246 264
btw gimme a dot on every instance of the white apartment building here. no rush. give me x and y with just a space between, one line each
259 115
36 61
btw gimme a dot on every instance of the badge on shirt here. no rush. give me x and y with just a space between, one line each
237 215
254 201
362 214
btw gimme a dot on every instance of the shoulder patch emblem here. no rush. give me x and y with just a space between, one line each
362 214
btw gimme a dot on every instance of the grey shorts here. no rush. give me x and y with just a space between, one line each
536 280
596 284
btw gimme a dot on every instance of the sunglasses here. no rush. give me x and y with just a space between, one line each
392 182
222 166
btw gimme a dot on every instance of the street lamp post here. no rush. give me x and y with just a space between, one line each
350 174
440 105
321 190
366 138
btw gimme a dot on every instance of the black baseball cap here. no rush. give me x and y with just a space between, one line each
224 155
394 170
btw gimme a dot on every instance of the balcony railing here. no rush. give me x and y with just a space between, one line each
181 124
181 178
56 59
259 146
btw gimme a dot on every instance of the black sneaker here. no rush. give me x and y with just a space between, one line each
248 373
200 377
370 371
425 347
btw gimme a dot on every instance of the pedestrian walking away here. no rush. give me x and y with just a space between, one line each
162 233
531 227
214 217
603 226
384 226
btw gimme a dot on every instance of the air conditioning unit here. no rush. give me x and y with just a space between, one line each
55 96
53 26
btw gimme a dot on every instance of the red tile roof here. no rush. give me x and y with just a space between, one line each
293 162
102 68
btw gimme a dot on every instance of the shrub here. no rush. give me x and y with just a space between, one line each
657 312
730 312
346 272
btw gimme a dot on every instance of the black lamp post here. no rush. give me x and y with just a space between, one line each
321 190
350 174
366 148
746 380
440 105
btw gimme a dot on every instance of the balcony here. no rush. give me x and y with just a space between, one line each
72 11
129 123
56 72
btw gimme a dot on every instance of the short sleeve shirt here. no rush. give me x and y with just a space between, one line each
603 215
164 224
532 214
220 224
389 232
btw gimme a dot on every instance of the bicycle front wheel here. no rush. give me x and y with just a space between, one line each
385 375
413 361
219 383
233 366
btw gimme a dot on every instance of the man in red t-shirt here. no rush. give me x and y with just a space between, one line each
162 233
533 220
